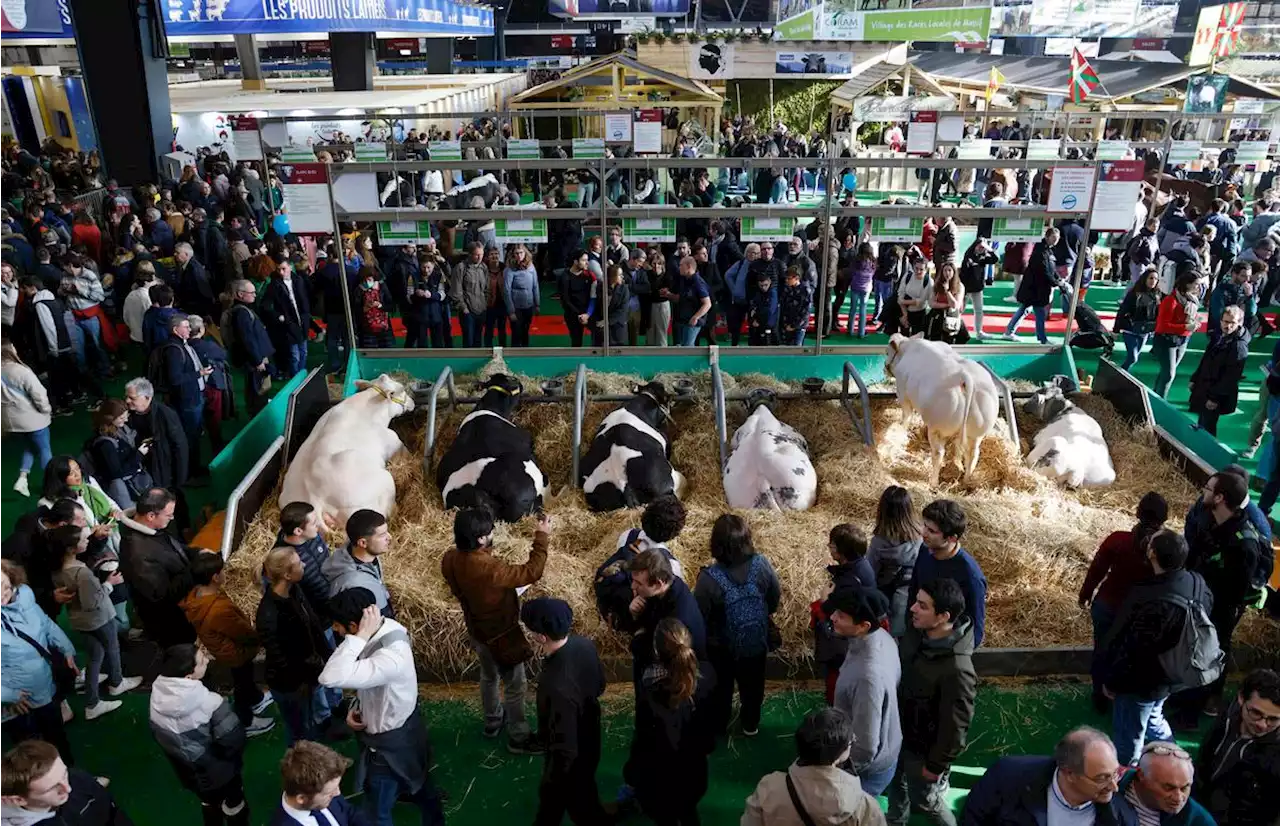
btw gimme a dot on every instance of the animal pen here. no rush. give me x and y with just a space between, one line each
1032 538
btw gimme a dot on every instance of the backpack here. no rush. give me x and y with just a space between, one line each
156 372
1197 659
746 616
227 328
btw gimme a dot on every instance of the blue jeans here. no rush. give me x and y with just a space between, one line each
335 344
384 788
778 191
875 784
685 334
1133 344
104 646
1168 350
858 310
472 329
793 339
293 360
88 346
1133 722
1041 314
299 710
35 447
884 289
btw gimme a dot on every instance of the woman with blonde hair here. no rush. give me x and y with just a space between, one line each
25 413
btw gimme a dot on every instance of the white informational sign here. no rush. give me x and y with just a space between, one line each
617 126
1112 150
245 145
1119 188
996 45
298 154
646 135
877 109
521 230
1251 152
975 149
922 135
588 147
950 129
1017 229
1248 106
768 229
373 151
1181 152
523 149
1071 190
1043 149
306 197
445 150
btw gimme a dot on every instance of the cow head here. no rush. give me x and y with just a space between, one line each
758 397
1047 404
657 398
388 390
500 393
894 351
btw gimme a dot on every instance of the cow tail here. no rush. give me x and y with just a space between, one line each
969 392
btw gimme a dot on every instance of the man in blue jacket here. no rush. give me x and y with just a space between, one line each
180 374
1077 785
738 278
250 347
1160 790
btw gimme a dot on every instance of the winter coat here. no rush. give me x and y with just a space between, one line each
763 307
1036 288
314 553
292 635
1172 316
157 569
520 289
973 269
893 566
1228 557
24 404
1230 294
91 607
945 245
1015 792
1017 257
155 326
737 278
486 588
861 274
167 460
403 272
793 306
668 765
469 288
1235 778
198 732
194 292
1145 628
88 804
87 290
936 694
221 627
1217 376
287 322
47 327
830 795
575 291
711 602
1137 312
345 571
22 668
1226 241
176 375
134 314
1192 814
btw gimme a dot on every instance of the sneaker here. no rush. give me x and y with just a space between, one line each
525 745
135 634
1009 337
21 485
263 704
979 337
492 730
80 681
259 725
67 714
103 707
126 685
750 732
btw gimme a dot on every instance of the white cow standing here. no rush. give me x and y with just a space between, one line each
956 398
1071 447
342 466
769 467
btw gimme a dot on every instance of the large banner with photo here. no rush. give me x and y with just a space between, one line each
1084 18
945 21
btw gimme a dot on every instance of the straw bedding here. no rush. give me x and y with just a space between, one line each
1033 539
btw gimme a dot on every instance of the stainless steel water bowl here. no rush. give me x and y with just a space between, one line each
813 385
552 387
684 387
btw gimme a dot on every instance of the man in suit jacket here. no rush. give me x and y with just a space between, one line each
182 375
285 311
1078 784
312 779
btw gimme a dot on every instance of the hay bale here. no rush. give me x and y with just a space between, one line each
1033 539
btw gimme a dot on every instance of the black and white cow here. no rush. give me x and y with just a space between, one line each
491 463
483 186
769 467
629 462
1070 448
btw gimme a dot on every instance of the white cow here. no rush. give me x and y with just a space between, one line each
955 397
1070 448
342 466
769 467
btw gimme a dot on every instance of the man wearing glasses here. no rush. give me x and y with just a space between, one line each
1238 771
1159 792
1076 786
251 347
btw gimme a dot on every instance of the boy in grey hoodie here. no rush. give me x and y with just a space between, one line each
867 688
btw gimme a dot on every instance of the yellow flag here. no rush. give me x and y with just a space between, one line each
993 83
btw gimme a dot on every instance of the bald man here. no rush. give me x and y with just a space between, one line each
1159 792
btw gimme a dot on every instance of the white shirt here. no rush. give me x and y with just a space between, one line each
306 817
644 543
386 682
288 288
136 305
1061 813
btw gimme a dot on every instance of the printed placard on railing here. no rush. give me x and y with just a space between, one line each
1251 152
244 138
974 149
768 229
1044 149
306 197
1112 150
588 147
1119 188
521 230
373 151
617 126
523 149
649 230
903 230
399 233
1184 152
1017 229
445 150
1071 189
298 154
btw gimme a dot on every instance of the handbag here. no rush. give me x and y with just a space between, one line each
64 676
795 801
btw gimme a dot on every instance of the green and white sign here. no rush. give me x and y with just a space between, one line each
974 149
399 233
904 230
1017 229
1251 152
845 20
521 231
1044 149
371 151
445 150
298 154
588 147
768 229
1112 150
1184 151
523 149
649 230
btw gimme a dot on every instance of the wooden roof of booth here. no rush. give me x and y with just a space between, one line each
618 81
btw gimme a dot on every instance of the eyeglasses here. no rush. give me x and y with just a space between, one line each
1256 716
1167 750
1110 777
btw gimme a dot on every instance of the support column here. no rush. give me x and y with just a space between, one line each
250 65
352 58
122 51
440 56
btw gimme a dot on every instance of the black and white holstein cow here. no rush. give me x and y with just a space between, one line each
1070 447
491 463
629 462
483 186
769 467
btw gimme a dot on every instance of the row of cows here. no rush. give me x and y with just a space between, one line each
341 467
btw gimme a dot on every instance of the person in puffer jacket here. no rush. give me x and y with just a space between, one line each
200 735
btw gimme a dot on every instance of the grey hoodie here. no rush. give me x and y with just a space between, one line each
867 690
893 565
344 571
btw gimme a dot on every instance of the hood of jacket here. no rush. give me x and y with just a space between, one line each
15 816
904 553
42 295
198 608
343 572
179 705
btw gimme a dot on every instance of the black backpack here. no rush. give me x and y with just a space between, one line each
1197 659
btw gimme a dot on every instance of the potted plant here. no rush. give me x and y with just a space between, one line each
659 38
694 37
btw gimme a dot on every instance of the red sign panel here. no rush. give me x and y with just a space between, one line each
562 41
1148 44
315 46
303 173
1123 170
403 44
649 115
242 123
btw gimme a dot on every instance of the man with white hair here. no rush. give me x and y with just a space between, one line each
160 437
157 232
193 290
1159 792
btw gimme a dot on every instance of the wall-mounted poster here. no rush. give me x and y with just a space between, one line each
306 197
814 63
1206 93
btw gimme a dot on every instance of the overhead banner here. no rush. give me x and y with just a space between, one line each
895 21
870 109
814 63
649 230
207 17
614 9
1206 94
306 197
1017 229
1217 29
897 230
1072 190
35 18
1085 18
1119 188
768 229
711 61
244 138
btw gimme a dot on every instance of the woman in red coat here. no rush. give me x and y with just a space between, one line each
1176 320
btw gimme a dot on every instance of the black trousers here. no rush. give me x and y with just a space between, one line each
707 331
225 805
43 723
575 329
748 674
246 693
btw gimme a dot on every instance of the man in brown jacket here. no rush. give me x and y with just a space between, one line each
487 589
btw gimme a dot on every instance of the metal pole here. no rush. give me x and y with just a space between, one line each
1085 249
771 120
1168 147
604 261
825 244
337 245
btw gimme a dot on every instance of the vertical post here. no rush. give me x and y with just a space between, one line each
824 275
771 119
1085 249
337 243
603 292
1164 159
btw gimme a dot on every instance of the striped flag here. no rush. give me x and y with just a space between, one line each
1226 36
1083 78
994 82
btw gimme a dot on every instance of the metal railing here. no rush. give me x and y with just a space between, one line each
1006 402
445 379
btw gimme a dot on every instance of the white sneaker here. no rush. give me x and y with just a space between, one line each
263 704
80 679
135 634
67 714
1009 337
103 707
126 685
21 485
259 725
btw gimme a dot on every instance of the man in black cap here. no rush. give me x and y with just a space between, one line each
568 715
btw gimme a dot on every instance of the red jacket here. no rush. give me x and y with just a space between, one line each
1122 563
1171 318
